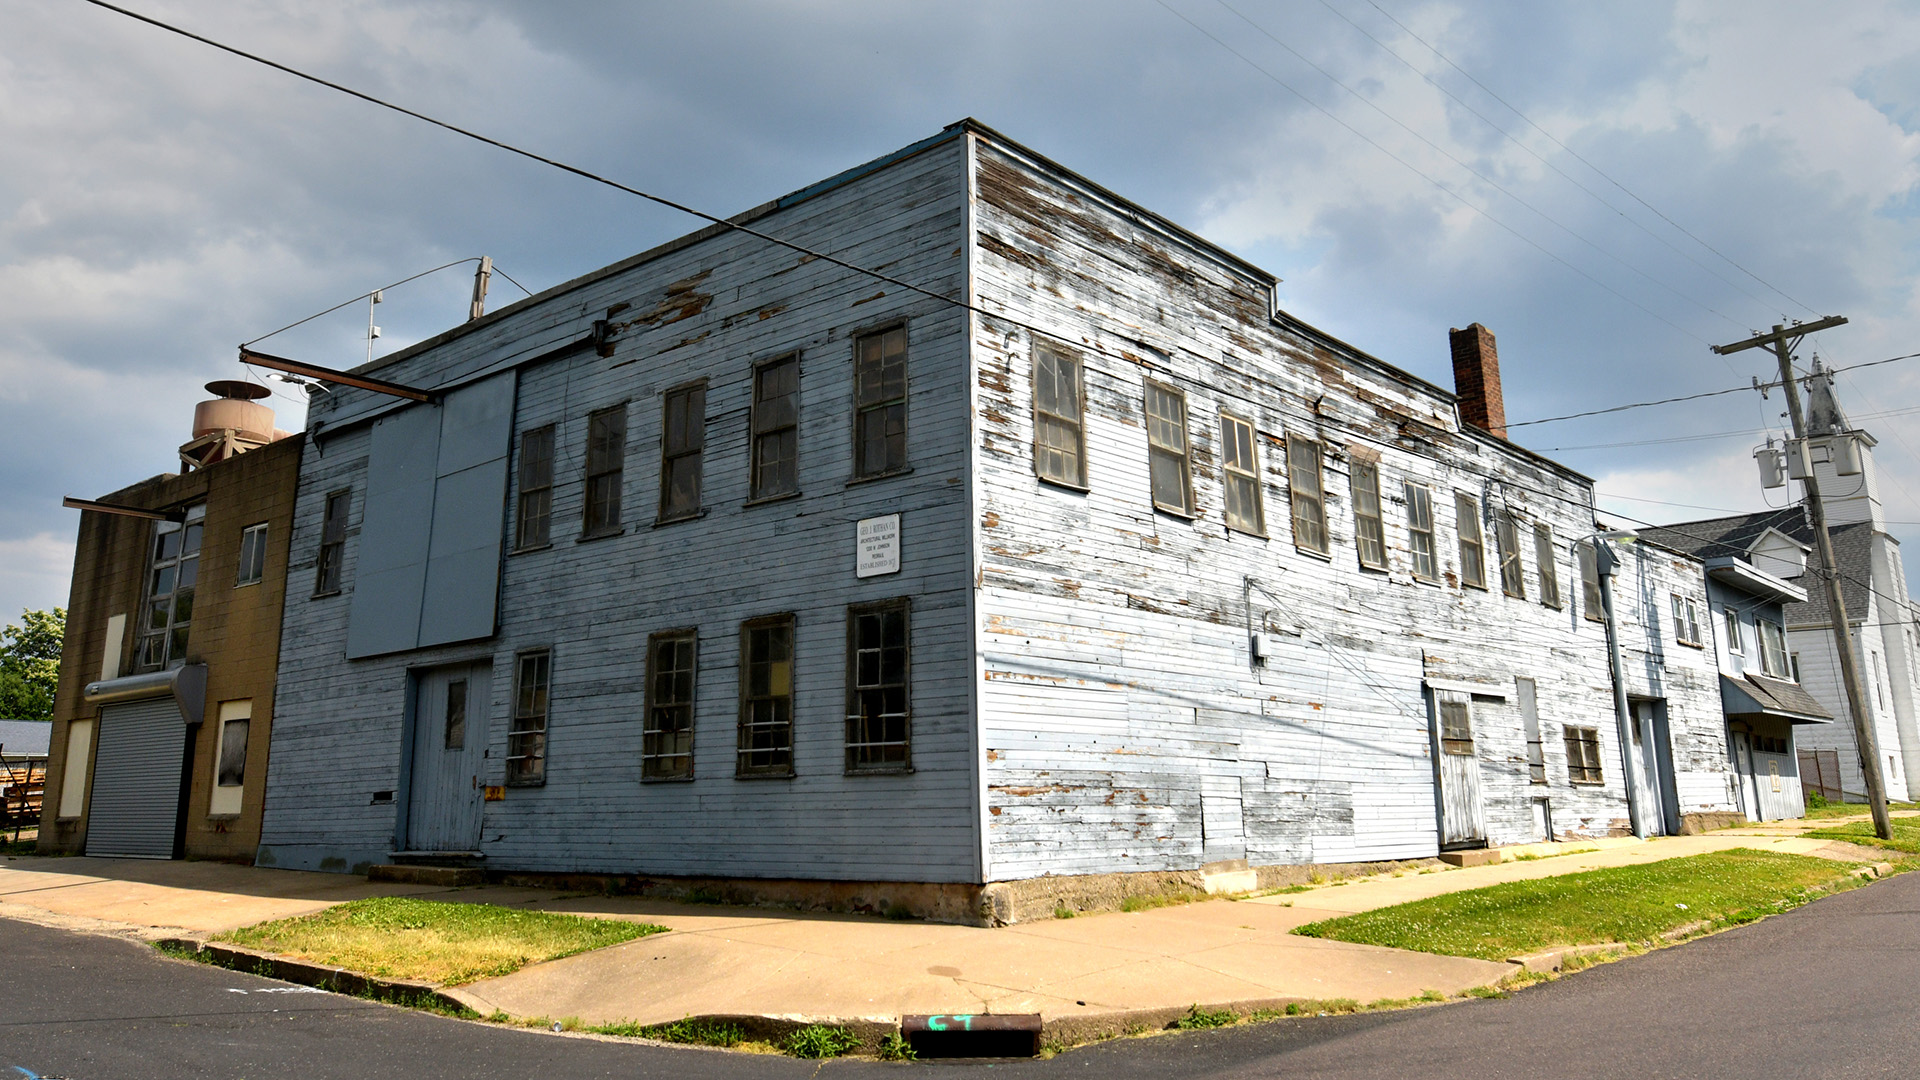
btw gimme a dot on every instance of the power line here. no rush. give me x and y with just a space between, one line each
356 299
1717 393
515 284
1577 157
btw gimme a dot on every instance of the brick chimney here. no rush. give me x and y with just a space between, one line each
1476 379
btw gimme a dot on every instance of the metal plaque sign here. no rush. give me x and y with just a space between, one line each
877 546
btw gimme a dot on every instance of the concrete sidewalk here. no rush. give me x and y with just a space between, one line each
1082 974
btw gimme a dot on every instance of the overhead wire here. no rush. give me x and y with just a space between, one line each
1717 393
357 299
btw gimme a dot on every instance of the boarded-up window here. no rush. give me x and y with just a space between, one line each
1456 727
1309 499
765 746
253 555
1420 540
527 738
1369 527
1590 583
1473 544
233 753
666 750
1583 755
173 571
606 468
776 429
1543 557
1240 476
1506 533
1528 694
879 718
333 544
1059 423
533 524
880 402
454 730
683 441
1167 462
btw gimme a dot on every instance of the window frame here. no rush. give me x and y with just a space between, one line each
1527 691
1244 476
257 549
651 771
1077 422
1183 459
1686 621
741 770
453 728
1735 646
1592 603
174 632
1546 560
1585 763
534 491
855 716
1362 518
527 724
1456 733
328 570
761 428
590 527
695 449
1773 662
1466 512
1420 523
863 469
1506 543
1315 501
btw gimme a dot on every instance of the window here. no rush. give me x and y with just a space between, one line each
1686 620
775 469
1734 644
683 439
1793 664
1456 725
1590 583
230 759
1530 722
880 402
1167 463
666 748
1059 423
879 719
1583 755
233 753
253 555
454 730
533 524
1240 476
606 465
1506 534
1420 533
333 544
765 746
1473 545
1369 528
527 739
1544 558
173 568
1309 498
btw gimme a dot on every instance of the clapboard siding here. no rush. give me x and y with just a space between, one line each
1117 677
703 310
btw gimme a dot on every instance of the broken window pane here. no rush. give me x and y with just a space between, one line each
666 751
878 717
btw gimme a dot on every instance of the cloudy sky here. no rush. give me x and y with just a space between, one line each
1610 188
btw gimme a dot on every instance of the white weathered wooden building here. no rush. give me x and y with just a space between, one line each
728 562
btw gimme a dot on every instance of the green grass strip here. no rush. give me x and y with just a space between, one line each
1623 904
1906 834
433 940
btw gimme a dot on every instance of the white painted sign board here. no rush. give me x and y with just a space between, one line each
877 546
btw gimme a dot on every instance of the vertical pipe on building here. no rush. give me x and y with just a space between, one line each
1605 562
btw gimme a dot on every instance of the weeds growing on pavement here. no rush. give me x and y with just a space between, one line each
895 1048
690 1031
1149 901
820 1041
1199 1018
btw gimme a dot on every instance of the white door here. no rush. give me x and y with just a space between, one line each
449 742
1457 772
1646 756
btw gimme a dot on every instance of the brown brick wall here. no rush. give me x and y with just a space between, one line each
1476 379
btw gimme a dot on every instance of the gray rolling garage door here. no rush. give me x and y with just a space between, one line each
135 807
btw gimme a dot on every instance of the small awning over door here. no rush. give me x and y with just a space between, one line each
133 809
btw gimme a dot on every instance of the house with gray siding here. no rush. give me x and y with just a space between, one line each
1055 562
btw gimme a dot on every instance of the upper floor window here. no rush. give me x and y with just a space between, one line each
1167 462
253 555
1734 644
173 566
533 523
1686 620
1420 539
333 544
775 469
606 469
880 402
1473 545
1308 497
1773 650
1590 597
1543 557
1369 527
1059 421
683 443
1506 534
1240 476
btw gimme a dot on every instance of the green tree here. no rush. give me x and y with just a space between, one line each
30 664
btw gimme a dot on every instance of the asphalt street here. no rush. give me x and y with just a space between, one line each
1822 991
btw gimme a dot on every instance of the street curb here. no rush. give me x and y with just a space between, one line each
320 976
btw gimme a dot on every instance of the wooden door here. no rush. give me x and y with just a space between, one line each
1457 772
1648 756
449 740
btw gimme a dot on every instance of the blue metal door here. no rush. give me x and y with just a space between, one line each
451 706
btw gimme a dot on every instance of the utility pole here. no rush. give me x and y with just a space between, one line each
481 274
1782 341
